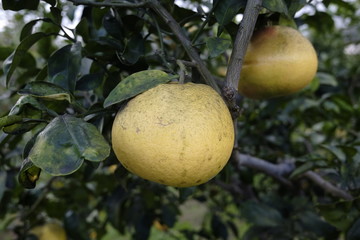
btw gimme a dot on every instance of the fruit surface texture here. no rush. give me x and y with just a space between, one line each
49 231
175 134
279 61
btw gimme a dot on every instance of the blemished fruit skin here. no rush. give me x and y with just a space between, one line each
174 134
49 231
279 61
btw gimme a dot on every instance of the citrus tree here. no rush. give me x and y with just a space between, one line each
70 67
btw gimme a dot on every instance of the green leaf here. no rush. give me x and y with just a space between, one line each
135 84
90 81
9 120
113 26
56 13
5 52
303 168
217 45
276 6
340 214
294 6
82 29
134 49
327 79
64 66
354 231
261 215
62 147
20 128
46 90
42 74
336 152
226 10
12 62
29 174
28 28
23 104
20 4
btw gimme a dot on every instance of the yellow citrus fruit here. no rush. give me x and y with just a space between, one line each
175 134
49 231
279 61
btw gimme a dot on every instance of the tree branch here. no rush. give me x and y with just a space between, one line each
277 171
327 186
241 43
110 3
174 26
280 170
185 41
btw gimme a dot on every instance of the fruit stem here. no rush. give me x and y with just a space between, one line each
182 71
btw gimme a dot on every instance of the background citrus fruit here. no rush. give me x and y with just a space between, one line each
279 61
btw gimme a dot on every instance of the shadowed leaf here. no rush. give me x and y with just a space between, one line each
277 6
64 66
65 143
12 62
217 46
45 90
29 174
226 10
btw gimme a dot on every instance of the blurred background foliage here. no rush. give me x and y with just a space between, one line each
83 52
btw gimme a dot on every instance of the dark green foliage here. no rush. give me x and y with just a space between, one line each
62 86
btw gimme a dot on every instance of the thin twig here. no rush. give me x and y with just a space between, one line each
185 41
321 182
207 19
174 26
281 170
240 45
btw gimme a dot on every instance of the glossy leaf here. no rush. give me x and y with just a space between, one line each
23 104
12 62
217 46
226 10
21 128
134 49
46 90
113 26
9 120
28 28
135 84
276 6
75 140
354 231
89 81
336 151
82 29
56 14
64 66
340 214
261 214
29 174
294 6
